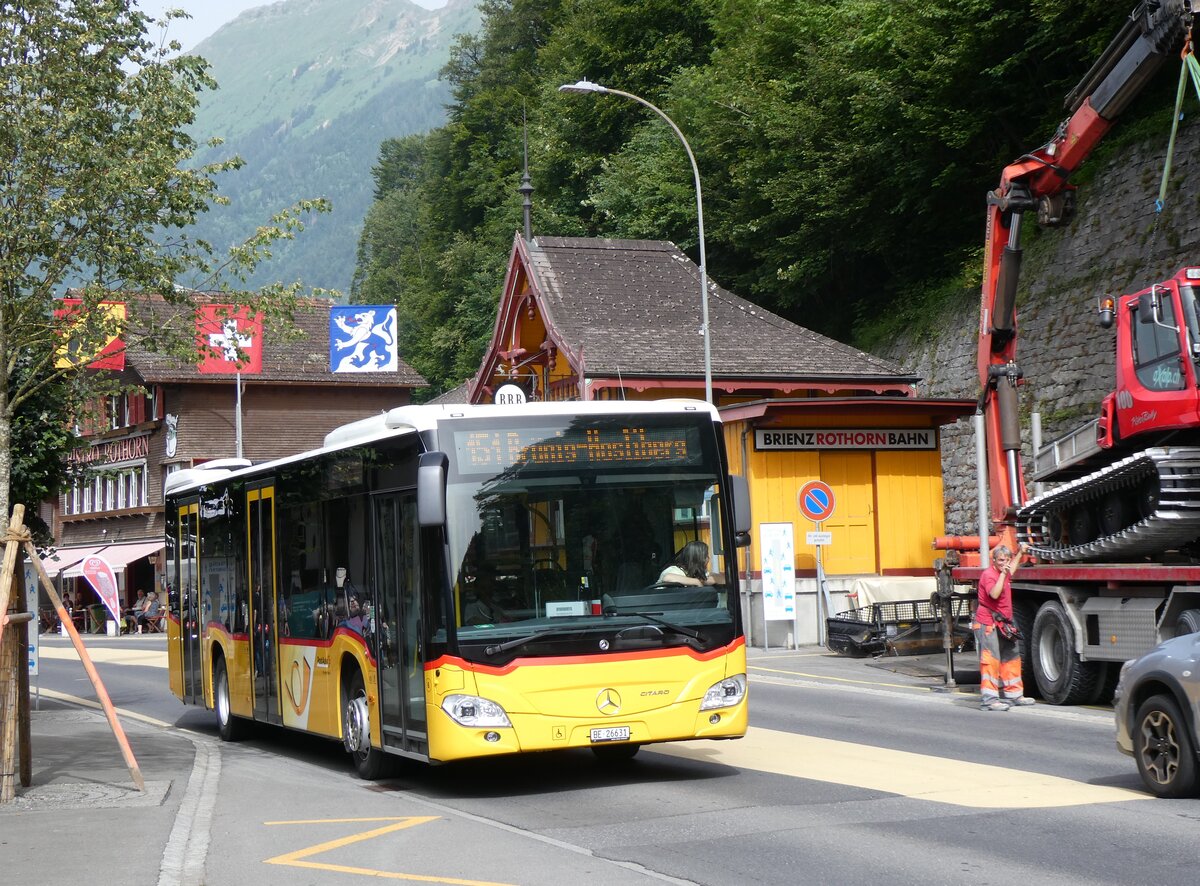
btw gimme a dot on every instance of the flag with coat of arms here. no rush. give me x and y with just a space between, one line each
229 340
106 324
362 338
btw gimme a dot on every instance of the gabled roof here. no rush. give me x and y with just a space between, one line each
633 306
459 394
304 360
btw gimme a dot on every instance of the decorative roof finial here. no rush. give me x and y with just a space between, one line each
526 188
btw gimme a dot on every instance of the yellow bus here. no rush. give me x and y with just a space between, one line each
445 582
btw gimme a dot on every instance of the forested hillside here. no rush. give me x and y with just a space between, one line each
308 91
845 148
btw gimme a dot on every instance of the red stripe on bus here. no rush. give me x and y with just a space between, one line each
584 659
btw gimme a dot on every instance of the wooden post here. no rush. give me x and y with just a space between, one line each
11 630
16 534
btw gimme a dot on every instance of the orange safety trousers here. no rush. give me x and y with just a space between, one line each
999 665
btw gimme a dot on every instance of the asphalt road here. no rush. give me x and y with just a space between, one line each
853 772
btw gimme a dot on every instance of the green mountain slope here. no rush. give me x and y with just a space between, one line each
308 90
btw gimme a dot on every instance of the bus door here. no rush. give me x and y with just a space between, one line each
398 624
260 561
184 602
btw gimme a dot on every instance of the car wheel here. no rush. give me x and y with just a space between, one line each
1163 749
370 763
229 727
1061 677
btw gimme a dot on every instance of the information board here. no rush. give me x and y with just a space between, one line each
778 571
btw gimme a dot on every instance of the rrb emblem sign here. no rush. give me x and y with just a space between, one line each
509 395
816 500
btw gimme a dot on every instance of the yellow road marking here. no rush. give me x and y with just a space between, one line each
919 776
296 859
154 658
826 677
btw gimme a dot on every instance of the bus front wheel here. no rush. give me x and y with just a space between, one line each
369 762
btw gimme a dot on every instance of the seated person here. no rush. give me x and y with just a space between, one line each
354 617
690 566
147 619
131 614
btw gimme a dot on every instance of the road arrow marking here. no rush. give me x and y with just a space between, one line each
297 858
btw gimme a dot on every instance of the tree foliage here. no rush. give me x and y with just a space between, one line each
96 190
845 146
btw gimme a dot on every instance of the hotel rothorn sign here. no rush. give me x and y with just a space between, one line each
845 438
112 451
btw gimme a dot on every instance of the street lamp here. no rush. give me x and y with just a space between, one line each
588 86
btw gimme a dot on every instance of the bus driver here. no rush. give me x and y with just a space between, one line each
690 566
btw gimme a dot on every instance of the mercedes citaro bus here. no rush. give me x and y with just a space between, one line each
444 582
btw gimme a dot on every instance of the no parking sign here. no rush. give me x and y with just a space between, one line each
816 500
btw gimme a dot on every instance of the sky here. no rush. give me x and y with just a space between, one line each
207 16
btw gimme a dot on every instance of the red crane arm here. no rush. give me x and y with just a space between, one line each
1154 31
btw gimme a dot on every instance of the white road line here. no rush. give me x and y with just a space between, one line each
154 658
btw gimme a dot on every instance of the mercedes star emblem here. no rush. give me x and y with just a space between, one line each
608 702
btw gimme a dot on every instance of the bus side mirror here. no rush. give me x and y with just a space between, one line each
431 489
741 509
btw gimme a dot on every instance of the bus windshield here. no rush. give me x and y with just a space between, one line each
563 538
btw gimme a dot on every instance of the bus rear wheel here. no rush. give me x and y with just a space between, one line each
229 727
370 763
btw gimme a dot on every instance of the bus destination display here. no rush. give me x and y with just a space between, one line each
489 451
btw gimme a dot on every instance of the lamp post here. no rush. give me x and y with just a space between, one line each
588 86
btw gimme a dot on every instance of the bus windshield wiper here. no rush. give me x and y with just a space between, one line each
679 629
521 641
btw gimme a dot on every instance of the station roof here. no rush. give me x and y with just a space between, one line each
633 307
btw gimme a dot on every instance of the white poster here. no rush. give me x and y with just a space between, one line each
31 605
778 571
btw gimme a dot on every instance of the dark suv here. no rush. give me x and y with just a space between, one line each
1157 704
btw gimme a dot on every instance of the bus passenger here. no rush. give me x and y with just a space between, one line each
354 616
690 566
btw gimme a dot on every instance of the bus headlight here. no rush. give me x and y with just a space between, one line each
726 694
471 710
